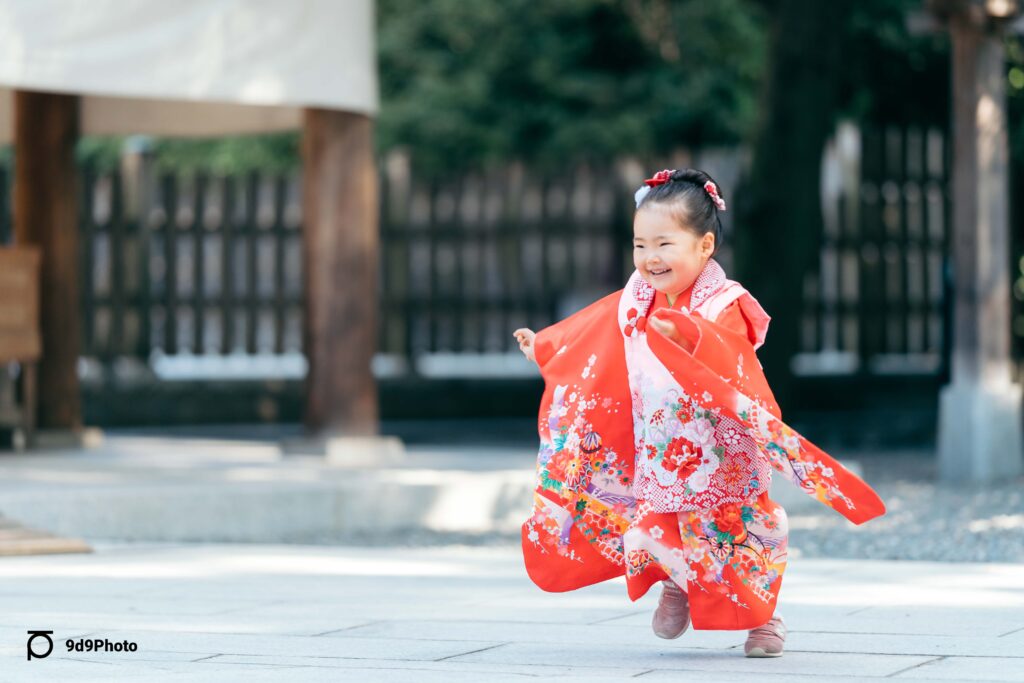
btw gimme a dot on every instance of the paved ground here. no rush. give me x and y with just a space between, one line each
417 607
308 613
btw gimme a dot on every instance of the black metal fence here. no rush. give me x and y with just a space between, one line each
213 266
466 262
877 304
209 269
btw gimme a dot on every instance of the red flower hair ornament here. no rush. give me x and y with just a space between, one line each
712 191
664 176
659 178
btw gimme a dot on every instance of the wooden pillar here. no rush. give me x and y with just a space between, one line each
980 410
46 215
341 243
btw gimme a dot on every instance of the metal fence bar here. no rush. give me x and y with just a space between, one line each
169 199
198 232
143 302
251 235
279 235
116 299
86 262
227 291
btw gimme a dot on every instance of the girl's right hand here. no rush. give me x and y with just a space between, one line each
669 330
525 337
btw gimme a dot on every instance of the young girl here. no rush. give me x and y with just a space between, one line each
659 434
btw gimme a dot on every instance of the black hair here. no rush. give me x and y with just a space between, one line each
690 205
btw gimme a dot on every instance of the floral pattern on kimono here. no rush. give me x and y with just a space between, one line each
584 499
689 456
595 518
729 559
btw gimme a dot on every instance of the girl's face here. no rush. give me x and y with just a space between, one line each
668 256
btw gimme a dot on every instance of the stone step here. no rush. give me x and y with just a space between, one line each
200 491
249 495
16 539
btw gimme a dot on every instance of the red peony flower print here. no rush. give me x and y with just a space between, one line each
728 519
682 455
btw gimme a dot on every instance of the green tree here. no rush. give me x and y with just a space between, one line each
466 84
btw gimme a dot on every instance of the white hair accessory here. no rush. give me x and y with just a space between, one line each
640 194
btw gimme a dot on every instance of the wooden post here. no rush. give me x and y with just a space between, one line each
980 410
45 215
340 269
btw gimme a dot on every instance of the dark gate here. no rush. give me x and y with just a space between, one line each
191 289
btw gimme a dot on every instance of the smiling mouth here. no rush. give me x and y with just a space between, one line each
656 273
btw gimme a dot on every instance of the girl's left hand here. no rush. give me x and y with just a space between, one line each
525 337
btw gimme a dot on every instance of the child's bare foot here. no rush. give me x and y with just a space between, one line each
525 337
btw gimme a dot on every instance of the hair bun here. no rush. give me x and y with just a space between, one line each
691 175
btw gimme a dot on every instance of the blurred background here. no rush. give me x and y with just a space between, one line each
261 262
509 140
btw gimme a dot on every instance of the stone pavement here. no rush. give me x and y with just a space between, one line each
223 612
165 488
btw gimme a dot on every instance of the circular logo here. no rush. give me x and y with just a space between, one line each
32 635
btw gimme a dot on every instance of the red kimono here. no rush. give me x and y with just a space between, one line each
656 456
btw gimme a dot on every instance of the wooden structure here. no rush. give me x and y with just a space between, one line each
341 248
980 419
252 67
20 340
45 209
17 539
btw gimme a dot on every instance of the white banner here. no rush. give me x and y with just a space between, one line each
140 64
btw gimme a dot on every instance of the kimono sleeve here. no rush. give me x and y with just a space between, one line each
552 338
723 369
732 318
571 538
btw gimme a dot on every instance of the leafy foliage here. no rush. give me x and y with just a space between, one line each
891 75
472 83
232 154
